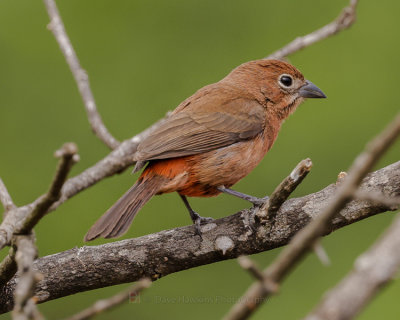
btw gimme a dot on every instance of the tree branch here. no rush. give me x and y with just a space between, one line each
25 306
305 239
56 25
21 252
107 304
284 190
372 271
344 21
249 265
117 161
8 267
23 219
5 198
68 157
170 251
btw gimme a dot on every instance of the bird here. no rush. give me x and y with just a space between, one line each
211 140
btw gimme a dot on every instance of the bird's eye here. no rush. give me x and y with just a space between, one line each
286 80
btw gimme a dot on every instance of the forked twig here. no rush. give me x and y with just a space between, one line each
344 21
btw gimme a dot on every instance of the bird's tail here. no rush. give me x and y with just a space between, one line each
116 221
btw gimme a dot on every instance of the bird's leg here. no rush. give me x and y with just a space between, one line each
254 200
196 218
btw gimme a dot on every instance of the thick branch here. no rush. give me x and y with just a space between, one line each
165 252
82 80
344 21
372 270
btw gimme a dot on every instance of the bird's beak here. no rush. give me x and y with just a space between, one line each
310 90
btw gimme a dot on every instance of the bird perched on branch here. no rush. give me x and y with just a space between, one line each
212 140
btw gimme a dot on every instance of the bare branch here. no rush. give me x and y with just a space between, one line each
68 156
25 307
56 25
8 267
303 241
344 21
107 304
284 190
115 162
371 272
157 255
25 218
249 265
5 198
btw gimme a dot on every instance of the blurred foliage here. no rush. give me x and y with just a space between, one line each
143 58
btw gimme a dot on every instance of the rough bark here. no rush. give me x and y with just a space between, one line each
169 251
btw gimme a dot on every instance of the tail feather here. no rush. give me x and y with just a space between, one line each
117 220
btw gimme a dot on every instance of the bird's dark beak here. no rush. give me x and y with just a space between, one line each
310 90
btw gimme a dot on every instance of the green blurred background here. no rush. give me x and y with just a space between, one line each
144 58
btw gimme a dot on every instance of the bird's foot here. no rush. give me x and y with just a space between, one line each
258 202
198 221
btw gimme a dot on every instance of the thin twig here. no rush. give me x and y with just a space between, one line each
5 198
8 267
284 190
115 162
304 239
344 21
107 304
371 272
247 264
25 306
56 25
68 156
34 212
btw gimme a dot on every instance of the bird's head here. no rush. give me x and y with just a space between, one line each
276 84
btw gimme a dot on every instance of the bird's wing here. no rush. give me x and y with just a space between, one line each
201 128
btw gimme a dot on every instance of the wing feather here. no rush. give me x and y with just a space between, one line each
199 129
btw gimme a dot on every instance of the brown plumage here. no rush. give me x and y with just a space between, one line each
212 139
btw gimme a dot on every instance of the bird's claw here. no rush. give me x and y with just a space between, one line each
258 202
199 220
